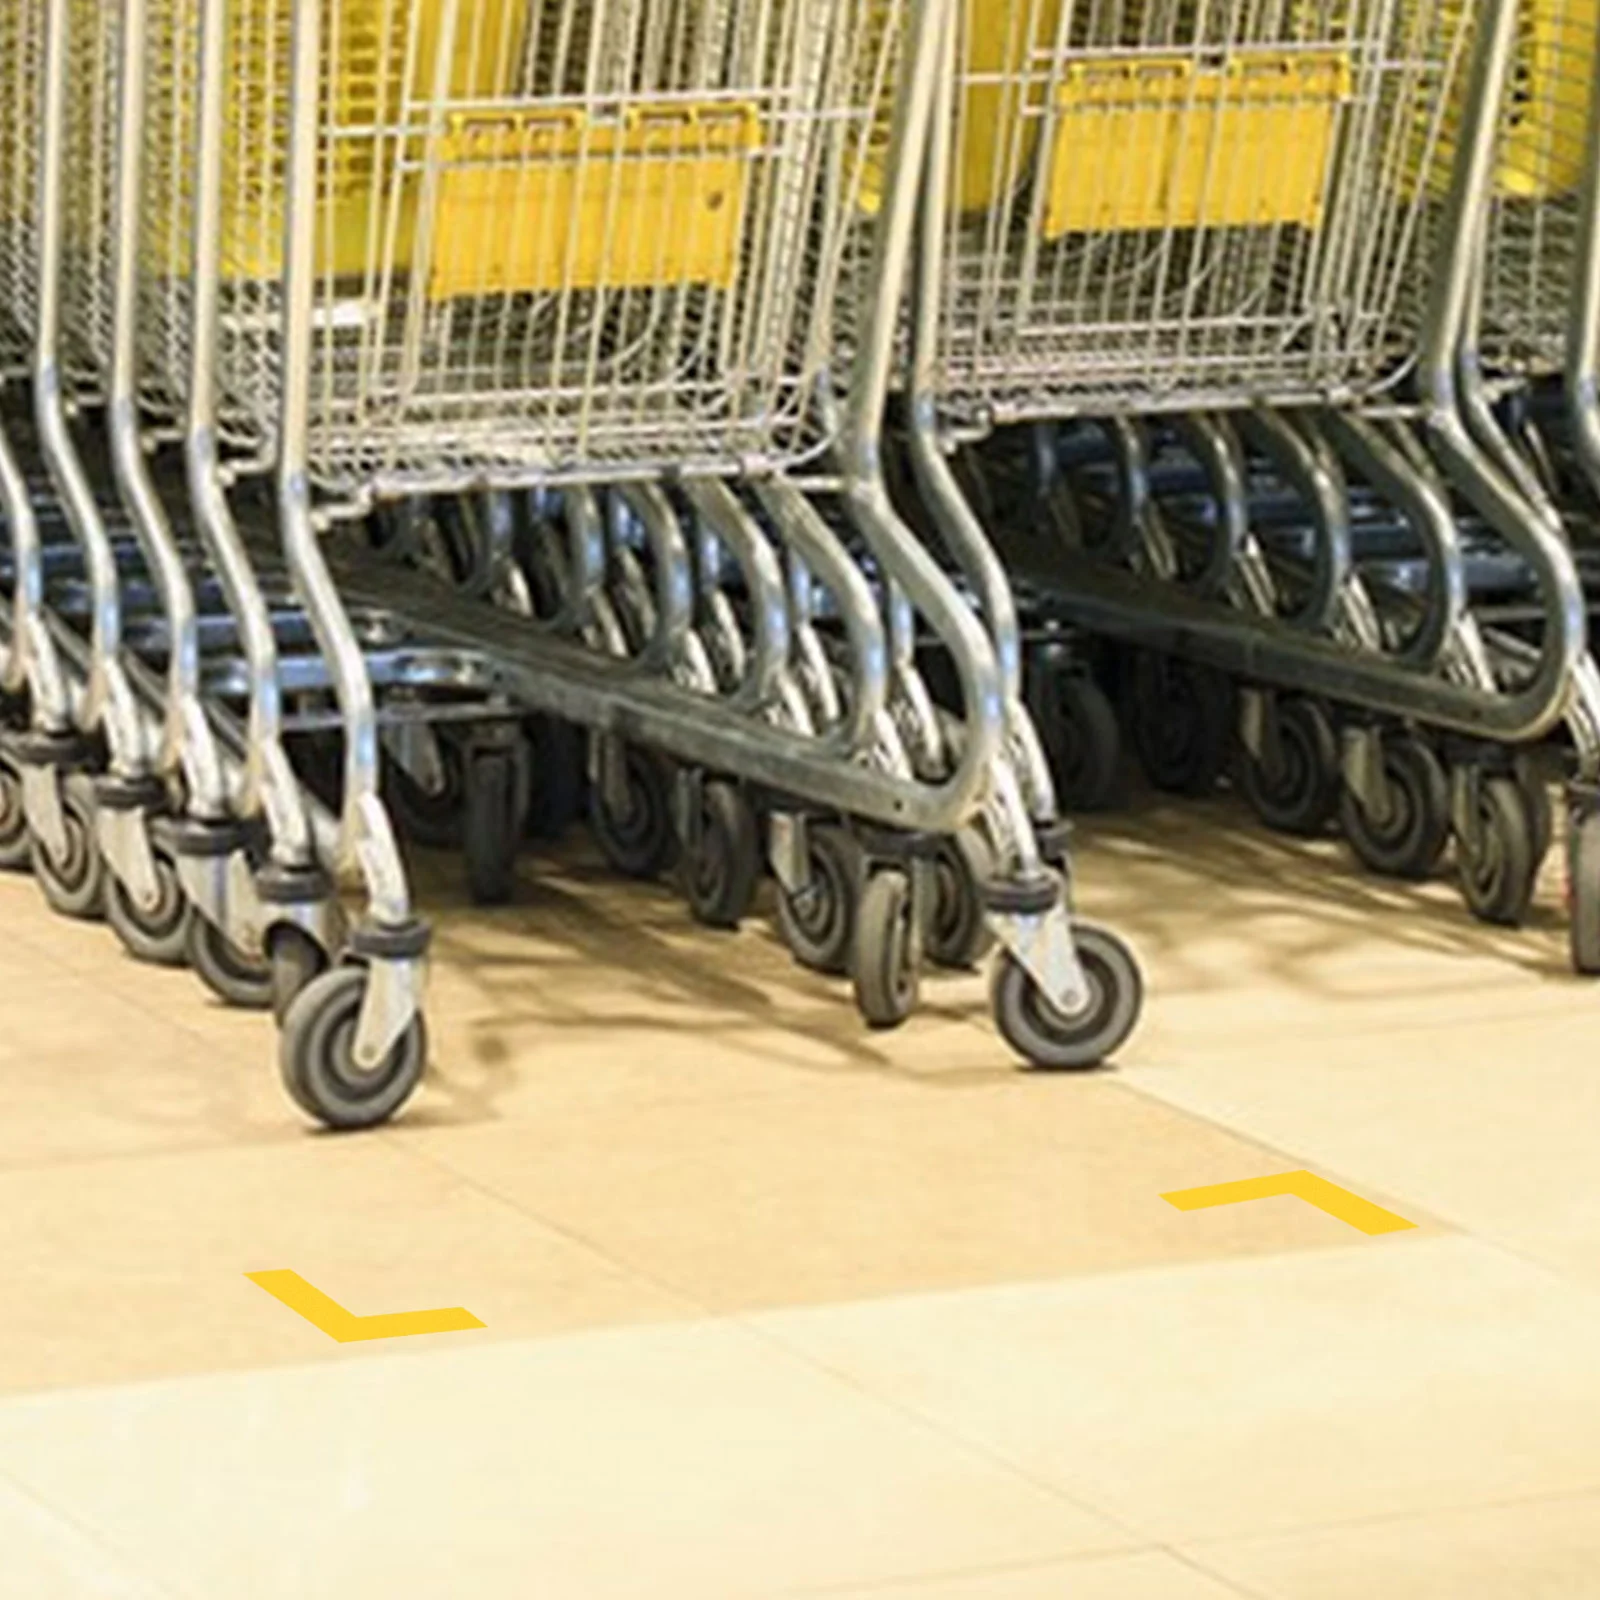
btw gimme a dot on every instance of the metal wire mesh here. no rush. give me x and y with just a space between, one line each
1534 223
1164 203
88 169
553 237
166 214
21 75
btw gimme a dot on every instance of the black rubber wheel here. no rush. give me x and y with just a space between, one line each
1499 867
818 924
1302 797
883 958
957 935
1082 741
316 1056
297 961
641 842
721 874
16 854
431 818
226 970
75 885
556 765
496 806
1410 840
159 935
1045 1036
1182 724
1583 892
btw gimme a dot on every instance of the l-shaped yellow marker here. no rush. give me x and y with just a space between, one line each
1319 1192
332 1318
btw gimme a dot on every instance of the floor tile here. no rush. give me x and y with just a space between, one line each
859 1187
1405 1374
48 1558
1537 1550
134 1268
1146 1575
692 1460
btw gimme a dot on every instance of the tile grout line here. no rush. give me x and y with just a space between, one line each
1212 1121
92 1535
561 1230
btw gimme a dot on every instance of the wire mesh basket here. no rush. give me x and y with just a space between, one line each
551 239
1166 205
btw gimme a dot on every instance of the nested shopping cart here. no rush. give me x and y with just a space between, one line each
1156 211
61 261
456 248
1530 369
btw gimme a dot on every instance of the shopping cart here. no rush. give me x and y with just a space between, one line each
1142 214
1530 369
461 250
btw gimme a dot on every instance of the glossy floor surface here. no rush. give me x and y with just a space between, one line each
775 1308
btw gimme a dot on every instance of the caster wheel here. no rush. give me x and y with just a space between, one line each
159 935
884 959
431 818
496 783
1499 867
818 924
1082 742
1409 840
296 961
316 1055
1183 721
1045 1036
957 935
75 885
722 873
1583 893
557 777
15 852
1541 814
1303 795
641 842
231 975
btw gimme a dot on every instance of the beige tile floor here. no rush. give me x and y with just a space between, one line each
774 1308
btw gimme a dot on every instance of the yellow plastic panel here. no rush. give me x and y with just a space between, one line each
1543 149
1164 142
544 200
365 70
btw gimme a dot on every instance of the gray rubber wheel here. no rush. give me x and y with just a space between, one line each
296 961
75 885
883 961
958 935
316 1056
818 924
1182 724
1410 840
640 842
159 935
1302 797
1583 893
1541 814
431 818
1082 741
226 970
1498 869
1047 1037
496 809
16 854
721 875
